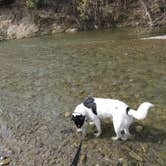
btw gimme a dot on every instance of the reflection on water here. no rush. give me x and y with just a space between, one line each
42 78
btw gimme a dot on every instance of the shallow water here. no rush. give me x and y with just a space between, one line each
42 78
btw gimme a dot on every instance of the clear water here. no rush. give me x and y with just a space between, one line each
42 78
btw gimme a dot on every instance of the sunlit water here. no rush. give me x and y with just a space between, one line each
42 78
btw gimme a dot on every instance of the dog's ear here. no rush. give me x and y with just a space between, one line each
89 102
94 108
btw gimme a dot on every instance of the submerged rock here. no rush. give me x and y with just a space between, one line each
135 156
122 162
4 160
67 114
83 158
139 128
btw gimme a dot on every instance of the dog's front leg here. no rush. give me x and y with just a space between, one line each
98 126
84 129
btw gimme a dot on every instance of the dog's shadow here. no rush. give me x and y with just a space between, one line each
141 133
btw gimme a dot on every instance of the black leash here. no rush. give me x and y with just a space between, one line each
77 155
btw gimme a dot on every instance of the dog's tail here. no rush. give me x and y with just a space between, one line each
141 112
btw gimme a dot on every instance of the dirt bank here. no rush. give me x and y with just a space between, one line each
19 21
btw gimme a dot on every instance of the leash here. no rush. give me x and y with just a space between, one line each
77 155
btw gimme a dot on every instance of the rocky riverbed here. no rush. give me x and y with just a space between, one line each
43 79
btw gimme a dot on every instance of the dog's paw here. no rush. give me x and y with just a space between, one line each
97 134
114 138
124 138
91 123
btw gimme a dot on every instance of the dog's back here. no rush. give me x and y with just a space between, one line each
107 108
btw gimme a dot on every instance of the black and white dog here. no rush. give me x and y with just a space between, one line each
95 109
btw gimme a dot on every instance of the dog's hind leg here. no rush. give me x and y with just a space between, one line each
126 130
117 128
98 126
126 134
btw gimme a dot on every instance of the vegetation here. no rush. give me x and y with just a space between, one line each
31 3
52 16
90 14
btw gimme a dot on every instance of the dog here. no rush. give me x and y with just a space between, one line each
96 109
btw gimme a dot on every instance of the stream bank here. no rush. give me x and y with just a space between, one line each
19 21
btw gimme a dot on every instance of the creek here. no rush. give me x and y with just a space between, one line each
43 78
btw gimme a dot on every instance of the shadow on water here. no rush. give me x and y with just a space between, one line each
147 133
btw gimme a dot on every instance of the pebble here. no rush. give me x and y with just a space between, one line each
139 128
67 114
71 30
4 161
122 162
135 156
83 158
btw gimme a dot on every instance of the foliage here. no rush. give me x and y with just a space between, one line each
90 14
45 3
82 8
31 3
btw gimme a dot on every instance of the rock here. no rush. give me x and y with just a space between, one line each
135 156
66 131
1 38
67 114
139 128
57 29
122 162
71 30
1 112
83 158
5 160
145 148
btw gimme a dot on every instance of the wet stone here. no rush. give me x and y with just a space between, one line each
67 114
67 131
139 128
135 156
83 158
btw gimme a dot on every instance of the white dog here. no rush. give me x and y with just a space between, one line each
95 109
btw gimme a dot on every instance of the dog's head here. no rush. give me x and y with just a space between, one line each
79 117
78 120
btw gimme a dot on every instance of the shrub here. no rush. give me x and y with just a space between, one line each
31 3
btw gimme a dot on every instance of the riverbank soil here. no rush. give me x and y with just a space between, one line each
21 19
